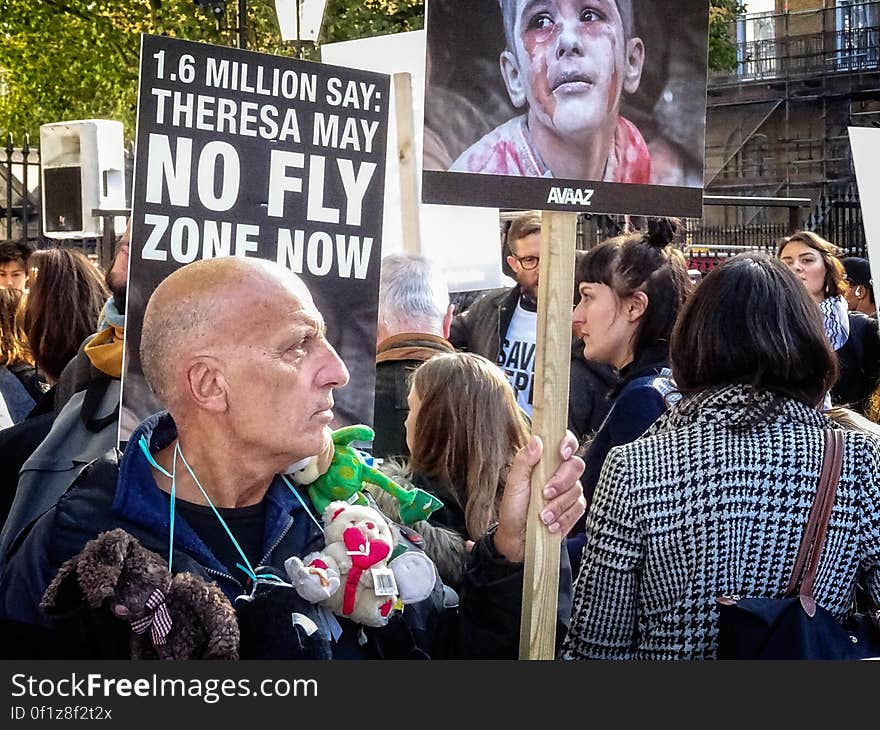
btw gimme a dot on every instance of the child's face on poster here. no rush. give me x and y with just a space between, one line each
570 63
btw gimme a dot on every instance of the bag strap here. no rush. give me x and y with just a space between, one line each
813 539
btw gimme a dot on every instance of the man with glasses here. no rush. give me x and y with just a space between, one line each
502 326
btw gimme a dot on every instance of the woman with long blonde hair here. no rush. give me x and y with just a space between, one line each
463 429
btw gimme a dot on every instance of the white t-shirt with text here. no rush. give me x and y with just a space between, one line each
517 355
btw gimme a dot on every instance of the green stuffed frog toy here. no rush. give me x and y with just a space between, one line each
350 469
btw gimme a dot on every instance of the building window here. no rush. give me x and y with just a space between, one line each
857 36
756 41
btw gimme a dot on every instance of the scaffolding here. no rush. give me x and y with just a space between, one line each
777 122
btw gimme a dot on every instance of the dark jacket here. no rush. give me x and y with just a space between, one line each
15 394
859 360
636 403
84 430
481 329
483 325
110 494
19 443
713 501
396 358
30 379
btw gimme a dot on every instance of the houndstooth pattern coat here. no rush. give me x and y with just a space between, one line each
710 503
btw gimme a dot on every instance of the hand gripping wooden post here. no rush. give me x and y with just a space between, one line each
550 417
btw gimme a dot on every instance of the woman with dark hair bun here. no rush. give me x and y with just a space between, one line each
631 289
853 335
712 501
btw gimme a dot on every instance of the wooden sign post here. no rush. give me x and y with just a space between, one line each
497 159
549 420
406 159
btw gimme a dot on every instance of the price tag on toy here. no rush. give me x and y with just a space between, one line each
383 582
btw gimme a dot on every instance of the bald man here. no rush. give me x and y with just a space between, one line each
235 349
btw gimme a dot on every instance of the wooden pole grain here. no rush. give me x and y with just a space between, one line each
406 160
549 420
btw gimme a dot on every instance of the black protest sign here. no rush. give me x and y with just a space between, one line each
247 154
564 106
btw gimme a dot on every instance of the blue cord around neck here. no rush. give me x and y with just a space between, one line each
247 568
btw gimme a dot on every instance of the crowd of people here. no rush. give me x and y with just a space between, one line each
697 421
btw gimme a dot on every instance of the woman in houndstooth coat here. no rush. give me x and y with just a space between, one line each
713 499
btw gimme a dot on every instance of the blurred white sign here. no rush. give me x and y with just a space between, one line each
311 13
865 143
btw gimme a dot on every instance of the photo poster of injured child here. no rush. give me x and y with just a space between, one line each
578 105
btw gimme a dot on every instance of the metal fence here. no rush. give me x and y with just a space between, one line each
845 38
19 190
709 246
809 54
837 218
20 200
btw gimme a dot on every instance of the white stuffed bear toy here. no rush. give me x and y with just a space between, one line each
352 576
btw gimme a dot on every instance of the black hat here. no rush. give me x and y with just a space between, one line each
858 271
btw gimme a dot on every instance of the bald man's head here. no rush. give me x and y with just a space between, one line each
199 308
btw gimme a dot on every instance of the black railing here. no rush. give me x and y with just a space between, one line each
20 199
837 218
806 55
822 41
708 246
19 170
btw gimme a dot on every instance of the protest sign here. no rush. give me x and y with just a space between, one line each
246 154
567 108
865 144
562 107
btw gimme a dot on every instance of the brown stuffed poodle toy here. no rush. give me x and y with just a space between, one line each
179 617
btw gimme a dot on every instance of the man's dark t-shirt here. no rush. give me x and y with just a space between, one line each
246 523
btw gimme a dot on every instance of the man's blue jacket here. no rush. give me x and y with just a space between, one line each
113 493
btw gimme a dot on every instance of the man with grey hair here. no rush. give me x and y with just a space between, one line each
414 319
236 350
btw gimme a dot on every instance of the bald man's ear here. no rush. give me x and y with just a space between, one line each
207 385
